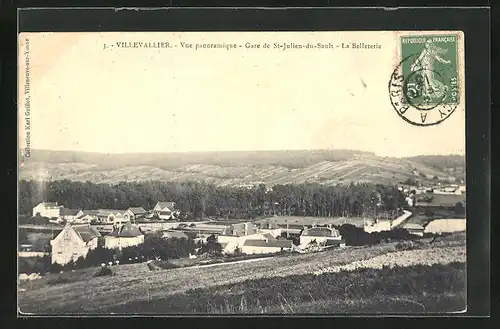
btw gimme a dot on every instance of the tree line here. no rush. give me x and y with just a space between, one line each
198 200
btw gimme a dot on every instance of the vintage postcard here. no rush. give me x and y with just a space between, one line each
242 172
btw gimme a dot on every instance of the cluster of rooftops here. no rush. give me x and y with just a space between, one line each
88 232
161 208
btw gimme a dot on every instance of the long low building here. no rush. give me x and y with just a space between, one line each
414 228
208 228
265 246
231 243
321 235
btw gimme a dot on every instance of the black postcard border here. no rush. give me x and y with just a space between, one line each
473 21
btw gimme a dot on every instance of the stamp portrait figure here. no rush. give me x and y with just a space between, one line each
430 85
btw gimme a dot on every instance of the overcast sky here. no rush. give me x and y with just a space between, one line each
86 98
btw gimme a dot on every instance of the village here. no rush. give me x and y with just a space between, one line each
124 228
78 231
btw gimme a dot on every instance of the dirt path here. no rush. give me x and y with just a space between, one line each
232 263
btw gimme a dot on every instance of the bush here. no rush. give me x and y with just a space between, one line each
97 256
356 236
104 271
405 245
40 265
81 262
56 268
459 209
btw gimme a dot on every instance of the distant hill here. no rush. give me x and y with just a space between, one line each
239 168
440 161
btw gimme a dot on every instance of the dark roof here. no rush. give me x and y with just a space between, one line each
86 232
86 214
270 243
126 230
320 231
50 204
69 212
269 236
166 204
107 212
137 210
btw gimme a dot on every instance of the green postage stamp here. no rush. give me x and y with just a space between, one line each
425 88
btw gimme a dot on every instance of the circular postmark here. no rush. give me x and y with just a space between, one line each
422 96
413 85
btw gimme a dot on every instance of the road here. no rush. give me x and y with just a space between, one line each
231 263
40 227
387 225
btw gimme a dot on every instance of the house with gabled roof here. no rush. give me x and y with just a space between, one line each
134 213
111 216
47 209
165 210
72 242
69 215
86 216
123 236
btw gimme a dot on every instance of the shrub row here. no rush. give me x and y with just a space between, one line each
154 247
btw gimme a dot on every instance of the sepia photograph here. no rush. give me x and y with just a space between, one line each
241 173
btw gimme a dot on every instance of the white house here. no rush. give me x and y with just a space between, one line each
123 236
165 210
111 216
72 242
409 201
134 213
85 218
322 235
47 209
69 215
266 245
231 242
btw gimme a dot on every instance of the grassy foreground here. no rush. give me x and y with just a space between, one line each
275 285
416 289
